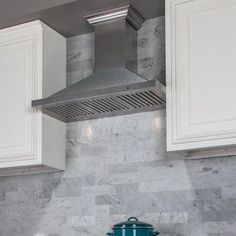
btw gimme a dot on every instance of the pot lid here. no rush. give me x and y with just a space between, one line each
132 222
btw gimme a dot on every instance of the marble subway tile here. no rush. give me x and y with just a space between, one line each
83 43
76 205
154 203
216 204
108 200
216 172
229 191
221 228
208 194
96 190
72 186
81 221
154 25
128 189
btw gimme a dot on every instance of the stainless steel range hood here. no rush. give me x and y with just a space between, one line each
114 88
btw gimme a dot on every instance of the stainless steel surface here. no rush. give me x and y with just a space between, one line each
66 16
119 13
109 15
114 88
116 38
120 100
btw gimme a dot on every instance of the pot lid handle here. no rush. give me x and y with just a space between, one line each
132 219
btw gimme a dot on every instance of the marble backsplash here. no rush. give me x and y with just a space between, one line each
118 167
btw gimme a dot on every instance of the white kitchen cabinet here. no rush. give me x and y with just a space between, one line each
32 66
201 73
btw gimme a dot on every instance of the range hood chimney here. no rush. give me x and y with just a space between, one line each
114 88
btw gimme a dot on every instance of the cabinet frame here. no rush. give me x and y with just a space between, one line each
180 134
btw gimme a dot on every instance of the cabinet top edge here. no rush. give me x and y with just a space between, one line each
36 24
176 2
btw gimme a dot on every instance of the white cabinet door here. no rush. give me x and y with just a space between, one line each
29 141
17 119
201 73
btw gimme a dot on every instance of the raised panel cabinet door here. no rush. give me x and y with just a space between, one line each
17 119
201 73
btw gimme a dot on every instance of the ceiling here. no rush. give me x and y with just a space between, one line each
66 16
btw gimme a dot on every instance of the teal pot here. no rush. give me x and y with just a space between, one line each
133 227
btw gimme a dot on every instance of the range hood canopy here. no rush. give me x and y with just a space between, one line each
114 88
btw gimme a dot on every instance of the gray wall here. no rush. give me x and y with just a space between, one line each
118 167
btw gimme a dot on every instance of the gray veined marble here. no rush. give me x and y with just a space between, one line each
118 167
